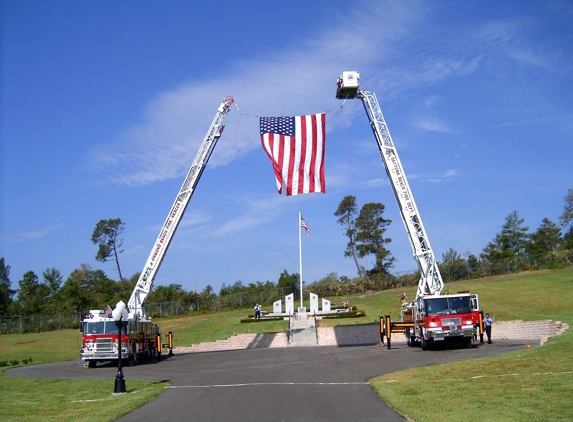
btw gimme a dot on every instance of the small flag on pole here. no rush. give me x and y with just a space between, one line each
303 224
108 311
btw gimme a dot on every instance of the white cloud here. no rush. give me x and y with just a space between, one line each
299 81
432 124
36 234
448 175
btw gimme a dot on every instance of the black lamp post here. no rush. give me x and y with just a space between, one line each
119 315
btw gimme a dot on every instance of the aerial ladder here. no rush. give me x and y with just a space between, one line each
145 281
140 337
458 325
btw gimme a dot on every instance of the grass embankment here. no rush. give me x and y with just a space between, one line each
218 326
530 385
534 384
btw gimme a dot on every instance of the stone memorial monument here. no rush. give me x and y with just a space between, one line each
277 307
313 304
325 305
289 304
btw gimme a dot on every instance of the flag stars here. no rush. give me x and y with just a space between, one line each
279 125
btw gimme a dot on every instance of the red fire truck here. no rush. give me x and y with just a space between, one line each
431 317
140 337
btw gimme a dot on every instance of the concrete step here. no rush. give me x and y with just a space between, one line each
303 332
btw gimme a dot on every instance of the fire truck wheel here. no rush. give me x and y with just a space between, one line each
92 364
425 343
154 352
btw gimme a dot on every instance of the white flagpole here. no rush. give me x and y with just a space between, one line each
300 253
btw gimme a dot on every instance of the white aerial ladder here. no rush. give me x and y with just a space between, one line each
430 278
145 281
431 317
140 337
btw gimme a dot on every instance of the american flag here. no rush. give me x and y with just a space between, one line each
303 224
108 311
295 146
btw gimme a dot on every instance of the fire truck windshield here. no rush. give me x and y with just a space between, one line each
102 327
447 305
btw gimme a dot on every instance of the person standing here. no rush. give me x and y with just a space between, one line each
488 321
257 311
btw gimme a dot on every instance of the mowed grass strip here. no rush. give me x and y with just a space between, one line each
25 399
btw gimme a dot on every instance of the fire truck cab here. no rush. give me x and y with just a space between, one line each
448 318
139 339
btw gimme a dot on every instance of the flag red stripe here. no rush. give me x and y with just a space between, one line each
322 141
302 157
312 172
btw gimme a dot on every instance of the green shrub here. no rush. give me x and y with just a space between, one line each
252 319
356 313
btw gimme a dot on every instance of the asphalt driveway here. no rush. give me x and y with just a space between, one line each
281 384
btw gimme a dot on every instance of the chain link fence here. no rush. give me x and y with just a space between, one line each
184 306
458 270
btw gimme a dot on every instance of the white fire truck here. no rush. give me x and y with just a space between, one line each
140 337
432 317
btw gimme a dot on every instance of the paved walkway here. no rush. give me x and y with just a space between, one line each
303 331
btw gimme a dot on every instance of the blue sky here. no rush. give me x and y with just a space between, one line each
104 105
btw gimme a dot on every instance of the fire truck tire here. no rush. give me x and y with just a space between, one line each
133 358
154 354
91 363
425 343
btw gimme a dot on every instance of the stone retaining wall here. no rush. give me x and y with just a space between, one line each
346 335
241 341
538 330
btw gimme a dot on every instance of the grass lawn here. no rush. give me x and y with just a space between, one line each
533 384
529 385
29 399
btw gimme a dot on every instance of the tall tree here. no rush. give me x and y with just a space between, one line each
566 220
371 226
52 280
87 289
287 280
31 295
511 241
6 292
346 213
171 293
453 266
546 239
107 234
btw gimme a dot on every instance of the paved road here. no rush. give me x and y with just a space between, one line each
284 384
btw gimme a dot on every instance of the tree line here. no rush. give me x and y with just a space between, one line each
513 248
